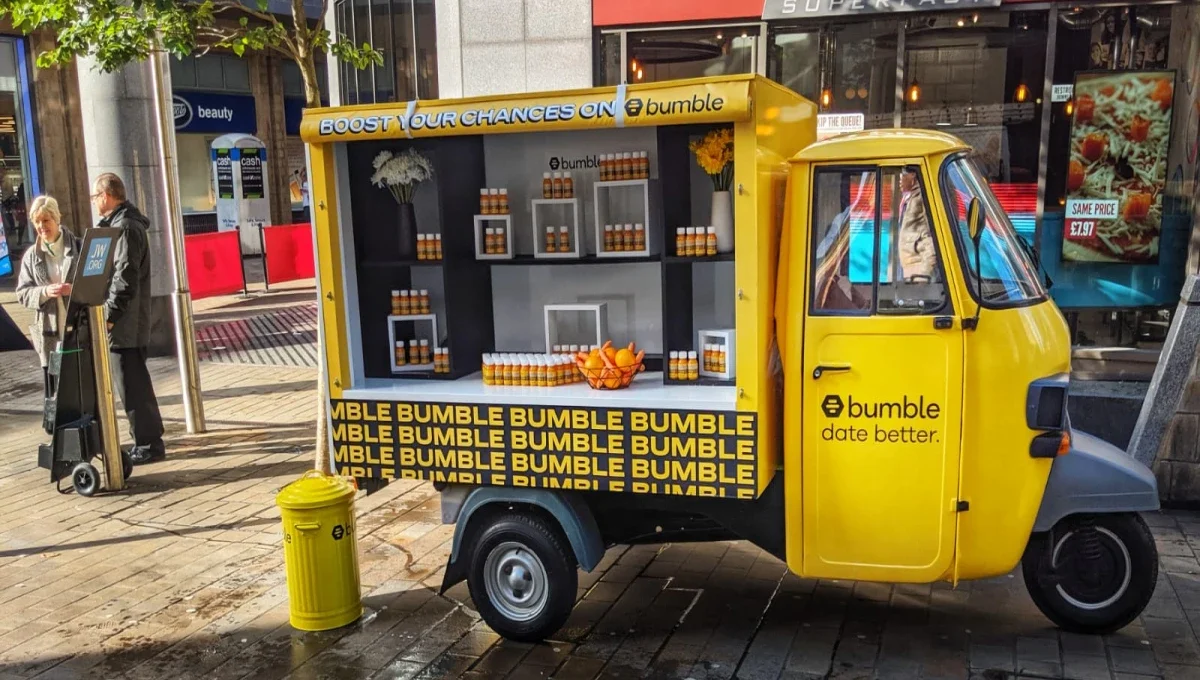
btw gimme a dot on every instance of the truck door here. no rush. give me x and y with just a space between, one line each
883 362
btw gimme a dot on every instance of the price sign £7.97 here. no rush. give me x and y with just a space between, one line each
1077 229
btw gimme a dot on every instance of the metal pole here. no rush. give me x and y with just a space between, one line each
106 407
181 299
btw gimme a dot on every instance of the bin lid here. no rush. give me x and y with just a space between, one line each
314 490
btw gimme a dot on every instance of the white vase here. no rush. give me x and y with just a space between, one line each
722 220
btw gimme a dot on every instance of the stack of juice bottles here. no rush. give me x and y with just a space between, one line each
529 370
493 201
622 166
572 350
683 366
419 353
410 302
495 240
624 238
558 240
441 360
696 241
429 246
558 185
714 358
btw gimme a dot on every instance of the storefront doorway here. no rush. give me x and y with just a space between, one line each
18 161
651 55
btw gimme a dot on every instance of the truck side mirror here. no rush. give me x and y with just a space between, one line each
974 220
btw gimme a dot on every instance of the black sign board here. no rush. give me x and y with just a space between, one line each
807 9
93 266
252 173
224 173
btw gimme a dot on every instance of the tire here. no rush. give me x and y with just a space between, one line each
514 550
1092 595
126 464
86 479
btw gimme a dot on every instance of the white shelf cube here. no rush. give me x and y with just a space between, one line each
539 208
488 221
723 337
553 337
625 201
430 319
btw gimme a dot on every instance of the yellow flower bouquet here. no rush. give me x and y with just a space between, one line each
714 154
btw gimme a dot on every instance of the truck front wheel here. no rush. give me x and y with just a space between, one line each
1092 574
522 577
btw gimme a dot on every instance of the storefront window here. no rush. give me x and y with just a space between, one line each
16 160
794 61
195 177
608 65
405 32
861 71
685 53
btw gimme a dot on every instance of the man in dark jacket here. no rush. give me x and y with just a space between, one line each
128 312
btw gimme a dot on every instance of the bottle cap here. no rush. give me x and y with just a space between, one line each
412 343
680 231
628 227
504 192
691 231
608 227
691 355
395 293
673 355
424 343
558 175
403 293
562 230
399 343
483 191
638 226
437 237
545 175
549 230
566 175
494 192
712 230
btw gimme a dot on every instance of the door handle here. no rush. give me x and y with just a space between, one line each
827 368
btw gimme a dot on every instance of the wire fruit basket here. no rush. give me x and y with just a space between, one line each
611 378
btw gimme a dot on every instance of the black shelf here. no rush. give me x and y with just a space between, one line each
531 261
393 264
703 382
719 257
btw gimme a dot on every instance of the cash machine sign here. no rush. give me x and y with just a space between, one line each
97 255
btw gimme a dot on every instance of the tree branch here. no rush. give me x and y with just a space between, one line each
222 5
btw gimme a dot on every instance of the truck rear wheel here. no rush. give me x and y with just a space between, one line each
1092 574
522 577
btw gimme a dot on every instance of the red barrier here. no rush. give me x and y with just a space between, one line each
214 264
288 252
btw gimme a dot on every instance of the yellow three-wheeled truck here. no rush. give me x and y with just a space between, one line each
837 349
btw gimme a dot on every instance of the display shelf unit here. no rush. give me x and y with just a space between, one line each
719 257
599 312
416 320
531 261
394 264
539 209
483 222
627 201
725 338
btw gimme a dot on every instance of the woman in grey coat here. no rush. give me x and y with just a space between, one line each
43 282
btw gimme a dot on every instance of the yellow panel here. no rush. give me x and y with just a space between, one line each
791 291
329 259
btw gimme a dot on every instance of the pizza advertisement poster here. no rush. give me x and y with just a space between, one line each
1120 137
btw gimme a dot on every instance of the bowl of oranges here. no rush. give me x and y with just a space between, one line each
609 368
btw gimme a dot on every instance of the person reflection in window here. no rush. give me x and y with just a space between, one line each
918 259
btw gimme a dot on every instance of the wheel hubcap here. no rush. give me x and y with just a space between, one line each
516 581
1093 576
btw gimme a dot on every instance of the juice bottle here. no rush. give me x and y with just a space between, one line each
551 241
488 241
494 200
627 165
680 240
547 186
503 196
524 371
395 303
414 352
423 301
437 246
627 238
710 242
689 244
421 247
643 165
557 349
557 185
673 366
485 205
424 352
639 237
568 186
437 359
489 372
693 367
501 238
564 240
721 359
605 164
608 238
399 352
405 304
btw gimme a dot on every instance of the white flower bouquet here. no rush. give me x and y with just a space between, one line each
401 173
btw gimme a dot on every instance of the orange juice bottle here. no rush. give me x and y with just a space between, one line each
405 307
639 237
489 372
399 352
551 240
608 238
673 366
501 241
710 242
414 352
503 202
547 186
680 241
627 238
564 240
693 367
421 247
485 204
437 246
557 185
524 374
568 186
423 351
395 303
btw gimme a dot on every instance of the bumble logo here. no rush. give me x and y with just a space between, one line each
833 406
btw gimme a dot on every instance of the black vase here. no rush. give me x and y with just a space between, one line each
406 232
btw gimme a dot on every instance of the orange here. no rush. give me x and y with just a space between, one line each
612 381
624 358
594 361
612 353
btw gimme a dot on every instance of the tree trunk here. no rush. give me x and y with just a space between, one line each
312 98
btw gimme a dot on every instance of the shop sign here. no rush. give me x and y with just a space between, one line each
1061 93
204 112
803 9
831 124
680 453
640 12
720 102
1120 137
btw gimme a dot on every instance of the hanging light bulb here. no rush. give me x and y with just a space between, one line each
971 122
633 65
639 74
1022 94
975 18
962 22
1070 108
914 92
826 98
720 36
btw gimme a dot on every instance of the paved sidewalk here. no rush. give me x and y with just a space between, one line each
181 576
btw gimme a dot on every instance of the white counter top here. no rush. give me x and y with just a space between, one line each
647 391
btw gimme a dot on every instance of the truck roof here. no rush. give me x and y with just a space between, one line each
876 144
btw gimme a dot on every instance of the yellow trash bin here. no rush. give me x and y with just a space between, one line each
320 551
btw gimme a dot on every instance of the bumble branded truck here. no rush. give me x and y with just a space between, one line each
837 349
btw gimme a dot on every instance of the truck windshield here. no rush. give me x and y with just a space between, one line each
1004 276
